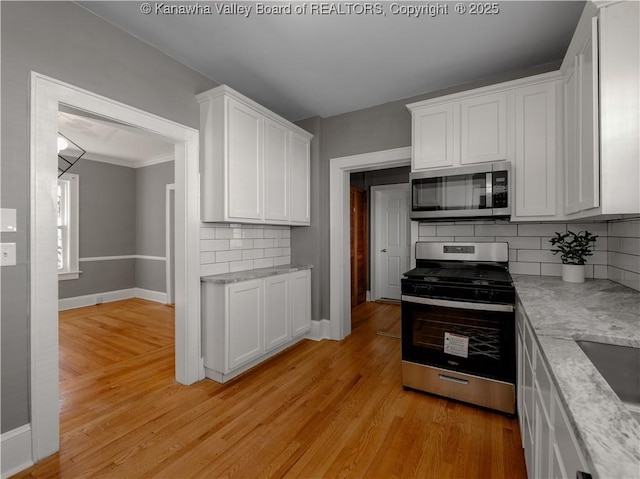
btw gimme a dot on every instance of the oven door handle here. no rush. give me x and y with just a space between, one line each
445 303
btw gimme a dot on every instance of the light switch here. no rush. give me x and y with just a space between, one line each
8 220
8 254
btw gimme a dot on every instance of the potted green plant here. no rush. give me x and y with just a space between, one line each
574 249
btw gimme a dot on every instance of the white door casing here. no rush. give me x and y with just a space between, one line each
46 94
391 237
339 231
170 241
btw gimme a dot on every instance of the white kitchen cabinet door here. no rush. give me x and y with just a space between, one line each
277 319
433 137
244 322
300 302
483 129
567 457
619 56
535 155
276 171
244 162
582 155
299 158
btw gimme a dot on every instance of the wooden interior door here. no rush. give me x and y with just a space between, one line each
359 245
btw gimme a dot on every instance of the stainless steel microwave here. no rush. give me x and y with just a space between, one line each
477 191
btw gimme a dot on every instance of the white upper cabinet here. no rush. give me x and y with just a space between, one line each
244 171
433 137
276 171
581 152
483 131
619 57
460 129
535 151
602 109
255 164
299 158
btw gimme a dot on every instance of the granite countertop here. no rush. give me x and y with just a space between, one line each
238 276
601 311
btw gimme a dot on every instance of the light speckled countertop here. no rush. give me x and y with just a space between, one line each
597 310
235 277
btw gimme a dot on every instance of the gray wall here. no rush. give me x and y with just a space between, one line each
107 227
122 212
62 40
150 207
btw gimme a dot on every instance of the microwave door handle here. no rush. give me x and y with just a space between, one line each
489 192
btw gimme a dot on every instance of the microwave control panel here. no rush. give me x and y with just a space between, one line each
500 189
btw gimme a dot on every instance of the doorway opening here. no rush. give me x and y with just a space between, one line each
46 96
340 170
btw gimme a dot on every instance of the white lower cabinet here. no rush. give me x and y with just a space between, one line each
277 311
550 446
300 301
246 322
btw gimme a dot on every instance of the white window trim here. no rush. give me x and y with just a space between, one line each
73 270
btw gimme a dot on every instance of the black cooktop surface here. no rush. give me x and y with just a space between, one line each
460 272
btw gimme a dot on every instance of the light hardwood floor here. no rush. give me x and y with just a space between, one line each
320 409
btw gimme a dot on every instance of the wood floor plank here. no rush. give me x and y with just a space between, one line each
319 409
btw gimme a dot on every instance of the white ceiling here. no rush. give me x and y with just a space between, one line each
110 141
305 65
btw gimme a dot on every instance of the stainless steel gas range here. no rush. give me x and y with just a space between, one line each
458 324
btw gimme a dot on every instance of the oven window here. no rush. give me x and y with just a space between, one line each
482 337
464 340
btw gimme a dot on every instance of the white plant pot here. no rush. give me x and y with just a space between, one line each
573 273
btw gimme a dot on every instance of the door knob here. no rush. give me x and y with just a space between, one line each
383 250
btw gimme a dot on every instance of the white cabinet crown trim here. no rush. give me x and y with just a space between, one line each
225 90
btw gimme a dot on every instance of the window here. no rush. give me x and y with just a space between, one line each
68 227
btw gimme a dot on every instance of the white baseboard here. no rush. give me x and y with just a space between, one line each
156 296
110 296
319 330
16 450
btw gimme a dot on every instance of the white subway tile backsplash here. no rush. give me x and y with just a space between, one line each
541 229
207 233
537 256
551 269
427 230
226 247
273 252
240 266
214 268
240 243
225 256
454 230
252 254
520 242
530 249
207 257
264 243
474 239
280 260
496 230
263 263
625 229
524 268
214 245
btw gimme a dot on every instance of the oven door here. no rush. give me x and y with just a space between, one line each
473 338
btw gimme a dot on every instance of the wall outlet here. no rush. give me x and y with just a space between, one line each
8 254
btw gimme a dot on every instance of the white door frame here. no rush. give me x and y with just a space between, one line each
339 263
168 240
375 239
46 94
